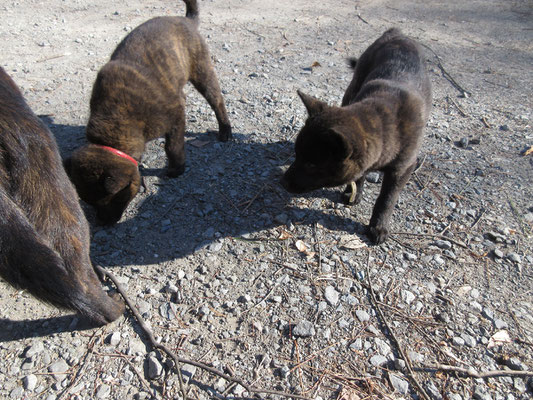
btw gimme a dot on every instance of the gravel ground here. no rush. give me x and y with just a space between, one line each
280 291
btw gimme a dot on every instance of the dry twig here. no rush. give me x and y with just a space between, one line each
471 372
410 372
179 360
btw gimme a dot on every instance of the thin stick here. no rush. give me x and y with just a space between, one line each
446 74
177 360
432 235
406 358
471 372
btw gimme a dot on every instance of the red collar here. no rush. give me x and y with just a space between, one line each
119 153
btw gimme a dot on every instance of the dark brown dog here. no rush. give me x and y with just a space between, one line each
138 96
44 236
378 127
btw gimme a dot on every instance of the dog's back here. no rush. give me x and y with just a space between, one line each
393 60
44 236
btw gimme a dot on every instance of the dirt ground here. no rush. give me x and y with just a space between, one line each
276 290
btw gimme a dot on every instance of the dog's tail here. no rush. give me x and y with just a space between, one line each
192 10
28 262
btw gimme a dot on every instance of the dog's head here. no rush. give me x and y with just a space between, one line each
104 180
327 154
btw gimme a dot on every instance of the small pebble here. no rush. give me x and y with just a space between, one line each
304 329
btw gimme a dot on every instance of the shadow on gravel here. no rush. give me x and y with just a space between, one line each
17 330
228 190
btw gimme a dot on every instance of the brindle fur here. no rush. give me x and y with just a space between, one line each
378 127
138 96
44 236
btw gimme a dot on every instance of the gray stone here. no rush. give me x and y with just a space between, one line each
383 347
304 329
331 295
215 247
443 244
362 315
34 349
284 372
378 360
155 369
470 341
516 364
407 296
514 258
114 338
454 396
16 393
498 253
434 392
29 382
238 390
481 393
519 385
457 341
410 256
103 391
59 367
500 324
244 299
488 313
357 344
416 357
399 384
188 372
168 310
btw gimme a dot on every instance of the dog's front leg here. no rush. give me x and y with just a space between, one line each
175 144
392 185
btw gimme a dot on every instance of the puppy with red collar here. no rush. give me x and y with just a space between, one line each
137 97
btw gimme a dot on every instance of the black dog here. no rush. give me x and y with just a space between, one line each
378 127
44 236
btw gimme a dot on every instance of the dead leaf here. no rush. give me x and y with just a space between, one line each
499 338
284 235
315 64
528 151
351 242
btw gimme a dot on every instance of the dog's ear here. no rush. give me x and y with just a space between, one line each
314 106
337 145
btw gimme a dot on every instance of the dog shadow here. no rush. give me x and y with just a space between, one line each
24 329
228 190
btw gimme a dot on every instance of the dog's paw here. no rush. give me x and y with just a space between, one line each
224 133
174 172
378 235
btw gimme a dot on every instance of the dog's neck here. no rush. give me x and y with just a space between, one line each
119 153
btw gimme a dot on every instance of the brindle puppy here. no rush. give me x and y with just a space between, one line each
378 127
138 96
44 236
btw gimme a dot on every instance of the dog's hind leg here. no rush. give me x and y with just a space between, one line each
206 83
28 262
